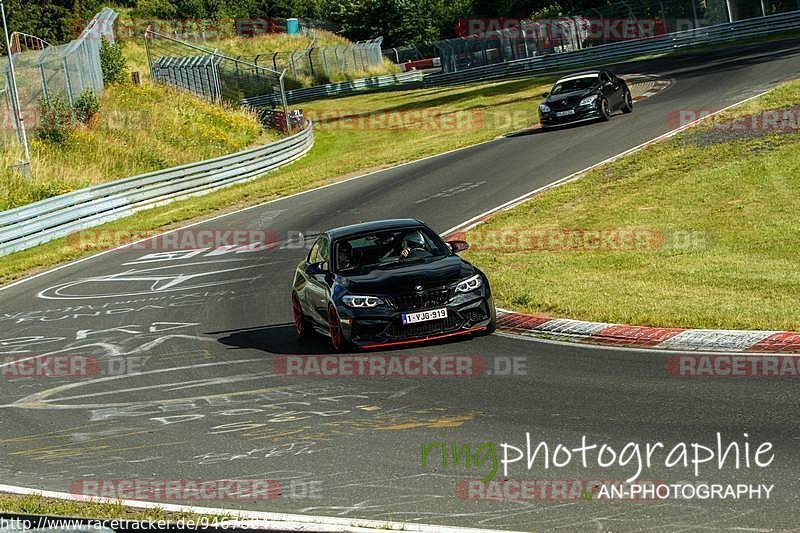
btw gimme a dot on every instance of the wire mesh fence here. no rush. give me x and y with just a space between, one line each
208 73
321 62
43 71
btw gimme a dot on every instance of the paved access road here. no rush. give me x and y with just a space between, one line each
202 331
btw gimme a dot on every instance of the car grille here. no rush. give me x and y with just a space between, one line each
421 300
423 329
562 105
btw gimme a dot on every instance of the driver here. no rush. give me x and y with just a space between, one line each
345 256
414 243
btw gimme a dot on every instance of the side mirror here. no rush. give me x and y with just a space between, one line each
316 269
458 246
545 94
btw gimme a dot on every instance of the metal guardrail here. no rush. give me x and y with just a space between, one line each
345 88
49 219
709 35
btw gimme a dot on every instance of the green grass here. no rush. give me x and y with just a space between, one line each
339 151
39 505
735 194
138 130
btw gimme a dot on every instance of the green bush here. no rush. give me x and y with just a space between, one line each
112 62
86 106
56 120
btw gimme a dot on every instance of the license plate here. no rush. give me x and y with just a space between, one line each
424 316
565 113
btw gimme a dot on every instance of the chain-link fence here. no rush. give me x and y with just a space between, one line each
319 62
208 73
43 71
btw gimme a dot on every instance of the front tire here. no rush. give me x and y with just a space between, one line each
301 325
627 104
605 110
338 342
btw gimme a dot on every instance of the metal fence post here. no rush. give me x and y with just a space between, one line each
68 79
45 94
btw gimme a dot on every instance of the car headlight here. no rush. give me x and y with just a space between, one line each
351 300
544 108
588 100
469 284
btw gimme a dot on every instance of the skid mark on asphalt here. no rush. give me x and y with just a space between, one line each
443 422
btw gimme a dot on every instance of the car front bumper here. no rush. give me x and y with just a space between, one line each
383 327
582 113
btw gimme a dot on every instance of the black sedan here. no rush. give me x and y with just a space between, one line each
388 283
585 96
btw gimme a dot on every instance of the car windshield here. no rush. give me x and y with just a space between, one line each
574 84
387 248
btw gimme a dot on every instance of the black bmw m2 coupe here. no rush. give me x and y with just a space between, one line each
388 283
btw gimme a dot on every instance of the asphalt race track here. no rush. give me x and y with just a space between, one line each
201 332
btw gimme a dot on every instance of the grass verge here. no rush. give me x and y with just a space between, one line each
716 237
405 125
39 505
138 129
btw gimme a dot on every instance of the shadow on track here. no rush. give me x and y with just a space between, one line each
281 339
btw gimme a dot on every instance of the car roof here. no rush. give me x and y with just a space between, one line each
375 225
583 74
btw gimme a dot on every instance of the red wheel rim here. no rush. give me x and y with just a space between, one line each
298 315
335 328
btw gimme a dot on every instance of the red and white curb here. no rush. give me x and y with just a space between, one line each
659 84
673 339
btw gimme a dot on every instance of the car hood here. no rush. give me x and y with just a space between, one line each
571 98
407 278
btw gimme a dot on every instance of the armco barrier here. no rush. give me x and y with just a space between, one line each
49 219
344 88
717 34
